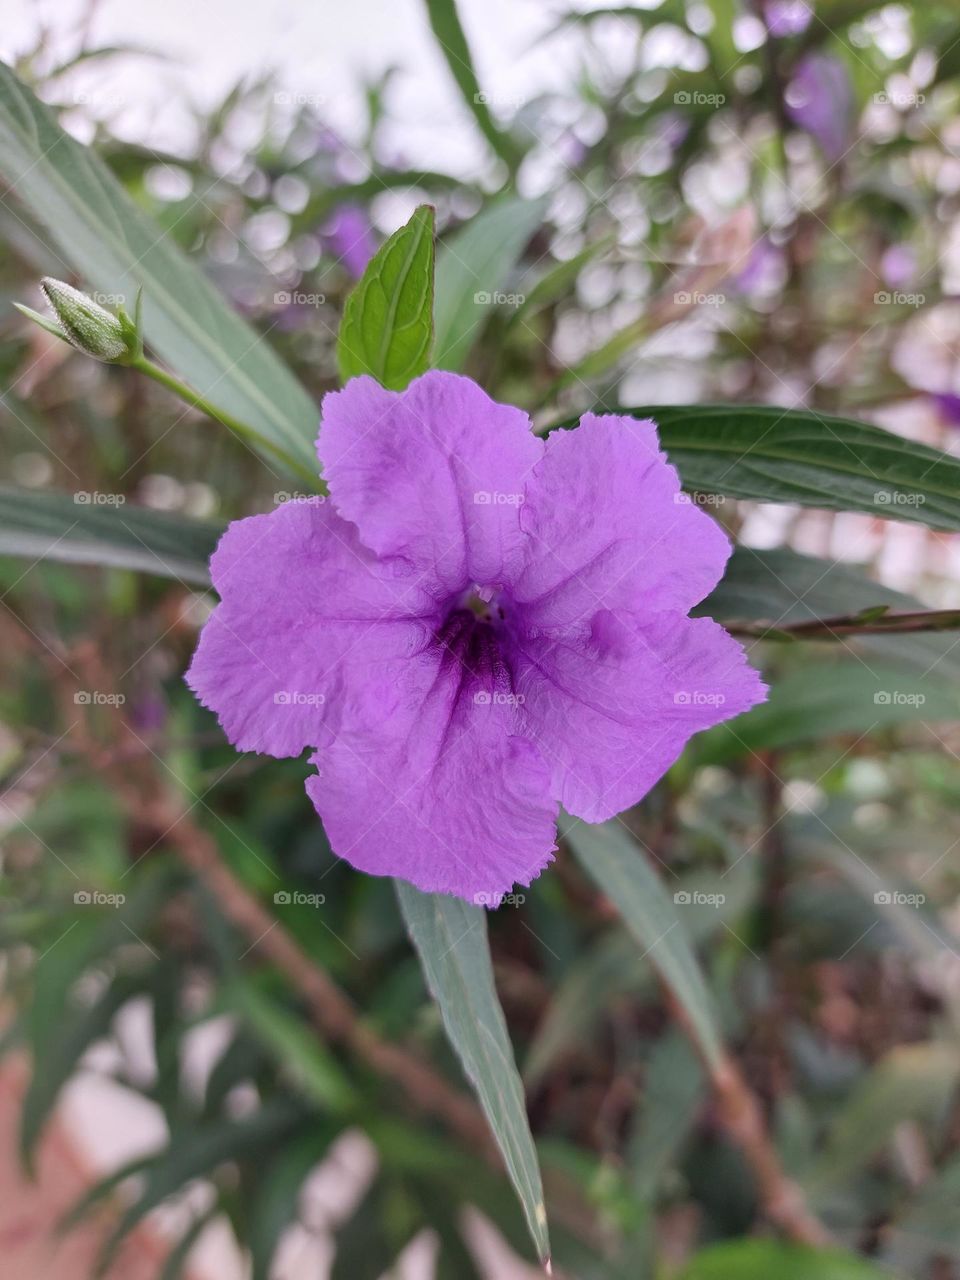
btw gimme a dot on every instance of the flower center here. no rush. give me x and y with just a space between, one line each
483 601
473 643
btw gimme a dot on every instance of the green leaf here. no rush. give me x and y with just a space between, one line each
60 1031
451 939
674 1087
294 1045
276 1203
612 859
78 529
764 1259
112 244
798 455
604 970
476 263
842 696
913 1082
175 1267
198 1153
387 325
446 26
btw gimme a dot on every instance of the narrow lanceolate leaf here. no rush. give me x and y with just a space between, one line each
451 939
474 269
97 230
620 870
762 1259
850 695
445 22
93 528
387 326
798 455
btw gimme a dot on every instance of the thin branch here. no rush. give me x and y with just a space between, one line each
781 1199
866 623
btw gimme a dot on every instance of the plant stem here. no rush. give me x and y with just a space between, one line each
196 401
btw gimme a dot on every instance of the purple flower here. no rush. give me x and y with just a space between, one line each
819 99
477 627
948 406
898 265
787 17
350 238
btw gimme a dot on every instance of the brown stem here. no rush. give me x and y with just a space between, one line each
154 803
851 625
739 1112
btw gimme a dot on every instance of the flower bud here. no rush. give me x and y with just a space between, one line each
85 324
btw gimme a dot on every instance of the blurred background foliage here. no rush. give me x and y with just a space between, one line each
730 202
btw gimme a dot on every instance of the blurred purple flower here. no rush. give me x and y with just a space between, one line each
349 237
948 406
478 627
787 17
898 266
819 99
763 270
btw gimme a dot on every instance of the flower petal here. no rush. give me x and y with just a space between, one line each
609 527
434 474
613 705
309 632
444 794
